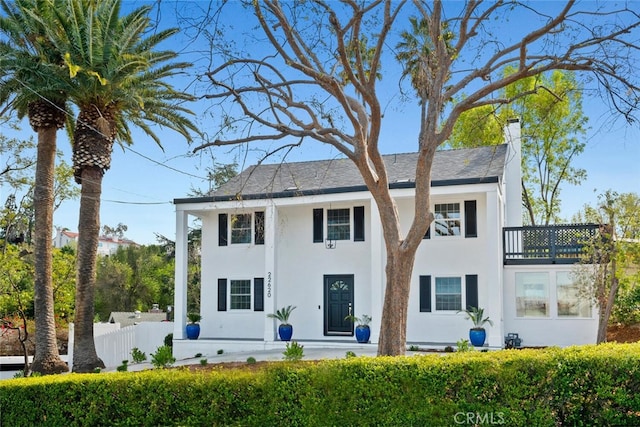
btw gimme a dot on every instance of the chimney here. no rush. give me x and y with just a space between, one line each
513 174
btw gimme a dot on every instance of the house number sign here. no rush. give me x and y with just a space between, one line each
269 284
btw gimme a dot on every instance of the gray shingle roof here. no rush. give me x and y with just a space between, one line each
450 167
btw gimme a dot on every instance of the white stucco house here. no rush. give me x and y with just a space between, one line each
308 234
107 245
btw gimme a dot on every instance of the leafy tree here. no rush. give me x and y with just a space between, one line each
117 78
552 126
613 258
293 88
117 231
134 278
33 86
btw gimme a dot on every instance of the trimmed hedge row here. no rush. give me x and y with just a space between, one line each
591 385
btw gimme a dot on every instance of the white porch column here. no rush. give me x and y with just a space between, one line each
378 277
270 228
181 267
495 298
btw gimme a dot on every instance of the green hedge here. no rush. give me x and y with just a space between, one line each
592 385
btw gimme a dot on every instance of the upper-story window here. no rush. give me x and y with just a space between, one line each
245 228
241 228
454 219
447 219
338 224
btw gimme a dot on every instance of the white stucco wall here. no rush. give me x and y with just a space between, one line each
551 330
232 262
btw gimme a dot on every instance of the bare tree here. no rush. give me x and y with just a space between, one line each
312 74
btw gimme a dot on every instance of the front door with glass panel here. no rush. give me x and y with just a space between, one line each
338 304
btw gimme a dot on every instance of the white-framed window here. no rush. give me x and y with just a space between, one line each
448 293
240 294
339 224
532 294
570 302
447 220
241 228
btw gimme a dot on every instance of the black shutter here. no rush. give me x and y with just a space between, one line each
470 219
427 235
222 230
258 294
259 228
222 294
471 284
425 293
358 224
318 220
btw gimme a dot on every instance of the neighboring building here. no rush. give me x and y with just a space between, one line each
309 234
107 245
128 318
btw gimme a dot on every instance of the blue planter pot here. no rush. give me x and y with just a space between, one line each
477 337
193 331
285 332
363 332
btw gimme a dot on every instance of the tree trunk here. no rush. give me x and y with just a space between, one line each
393 328
47 358
85 358
605 312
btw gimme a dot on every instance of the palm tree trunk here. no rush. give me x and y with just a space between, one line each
47 358
85 358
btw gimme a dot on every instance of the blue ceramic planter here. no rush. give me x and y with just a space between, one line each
363 332
285 332
477 337
193 331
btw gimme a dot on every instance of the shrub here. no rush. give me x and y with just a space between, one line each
168 340
198 355
124 367
203 362
137 355
251 360
448 349
414 348
350 354
220 351
463 345
163 357
294 351
577 386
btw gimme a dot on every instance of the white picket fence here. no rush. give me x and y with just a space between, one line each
114 344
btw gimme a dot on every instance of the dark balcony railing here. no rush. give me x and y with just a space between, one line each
552 244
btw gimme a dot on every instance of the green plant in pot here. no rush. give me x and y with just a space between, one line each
285 330
363 332
477 334
193 328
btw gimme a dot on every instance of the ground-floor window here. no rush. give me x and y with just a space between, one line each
240 294
448 293
532 294
570 302
545 294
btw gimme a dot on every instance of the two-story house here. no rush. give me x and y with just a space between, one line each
308 234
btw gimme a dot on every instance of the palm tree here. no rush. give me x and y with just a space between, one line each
117 78
32 85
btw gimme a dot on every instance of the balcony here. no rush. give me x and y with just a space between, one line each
552 244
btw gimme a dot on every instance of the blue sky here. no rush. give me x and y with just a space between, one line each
143 180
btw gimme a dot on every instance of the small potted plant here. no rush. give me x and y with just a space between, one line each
193 328
285 330
477 334
363 332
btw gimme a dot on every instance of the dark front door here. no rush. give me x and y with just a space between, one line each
338 304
